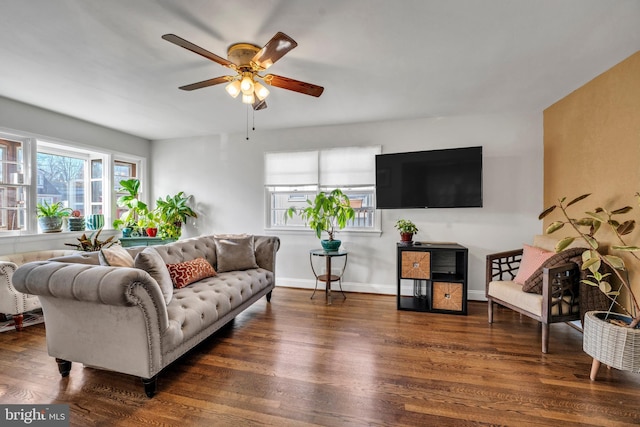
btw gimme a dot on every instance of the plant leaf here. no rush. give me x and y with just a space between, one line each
555 226
589 282
605 287
584 221
598 218
626 227
562 244
621 210
577 199
626 248
615 262
590 262
547 212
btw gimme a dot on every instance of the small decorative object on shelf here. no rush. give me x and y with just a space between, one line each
76 221
407 229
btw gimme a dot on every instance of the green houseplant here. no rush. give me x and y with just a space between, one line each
91 243
135 207
609 337
50 216
407 229
328 212
172 212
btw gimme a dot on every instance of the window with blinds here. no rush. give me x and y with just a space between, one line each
292 178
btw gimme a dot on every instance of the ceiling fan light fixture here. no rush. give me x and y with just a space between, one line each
248 99
260 91
247 83
233 88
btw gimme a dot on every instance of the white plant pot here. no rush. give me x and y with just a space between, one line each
613 345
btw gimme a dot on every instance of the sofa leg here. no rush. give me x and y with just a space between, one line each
17 319
545 338
490 310
269 296
64 367
150 385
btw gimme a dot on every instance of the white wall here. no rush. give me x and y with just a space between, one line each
224 173
37 122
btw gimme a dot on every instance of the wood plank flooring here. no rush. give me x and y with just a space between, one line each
359 362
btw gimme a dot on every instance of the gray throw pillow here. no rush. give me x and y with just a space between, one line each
235 253
150 261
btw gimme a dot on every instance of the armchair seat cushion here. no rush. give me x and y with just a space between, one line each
511 293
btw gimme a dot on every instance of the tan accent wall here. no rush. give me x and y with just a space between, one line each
592 145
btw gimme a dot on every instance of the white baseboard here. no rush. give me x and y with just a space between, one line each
366 288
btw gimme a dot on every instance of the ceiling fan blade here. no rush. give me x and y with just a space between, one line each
207 83
197 49
294 85
259 105
275 49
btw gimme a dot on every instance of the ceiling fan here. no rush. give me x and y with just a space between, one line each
248 61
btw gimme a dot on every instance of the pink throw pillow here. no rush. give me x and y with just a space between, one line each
532 258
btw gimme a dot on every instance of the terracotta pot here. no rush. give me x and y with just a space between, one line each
406 237
152 231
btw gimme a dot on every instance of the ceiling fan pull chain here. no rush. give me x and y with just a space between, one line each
247 105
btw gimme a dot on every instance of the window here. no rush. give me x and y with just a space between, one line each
34 171
292 178
123 171
13 188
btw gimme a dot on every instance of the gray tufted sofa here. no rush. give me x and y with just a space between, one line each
117 318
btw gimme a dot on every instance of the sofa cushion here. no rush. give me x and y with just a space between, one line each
235 253
532 259
196 307
150 261
534 283
185 273
115 256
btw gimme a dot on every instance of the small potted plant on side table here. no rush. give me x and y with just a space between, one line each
407 229
328 212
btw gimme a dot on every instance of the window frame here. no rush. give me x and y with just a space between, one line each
32 144
311 190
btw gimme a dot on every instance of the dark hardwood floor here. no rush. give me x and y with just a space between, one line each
297 362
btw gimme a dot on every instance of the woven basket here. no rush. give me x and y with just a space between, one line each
612 345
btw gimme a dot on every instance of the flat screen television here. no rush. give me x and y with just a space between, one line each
449 178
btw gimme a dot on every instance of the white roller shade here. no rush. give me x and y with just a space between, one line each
348 167
292 169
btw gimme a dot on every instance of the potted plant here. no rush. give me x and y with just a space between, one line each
149 222
327 212
91 243
50 216
128 220
608 336
407 229
172 212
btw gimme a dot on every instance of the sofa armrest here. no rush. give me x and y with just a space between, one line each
266 248
118 286
503 265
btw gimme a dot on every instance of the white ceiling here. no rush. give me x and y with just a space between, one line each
105 62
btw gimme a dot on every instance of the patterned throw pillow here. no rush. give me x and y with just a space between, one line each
185 273
115 256
532 259
534 283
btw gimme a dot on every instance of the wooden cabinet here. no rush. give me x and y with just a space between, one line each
432 277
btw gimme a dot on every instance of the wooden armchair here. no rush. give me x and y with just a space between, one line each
558 301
